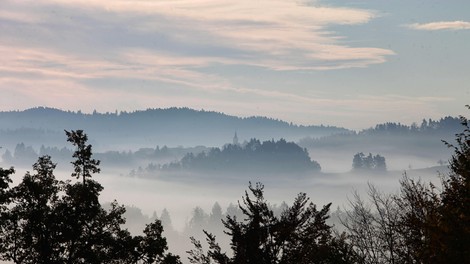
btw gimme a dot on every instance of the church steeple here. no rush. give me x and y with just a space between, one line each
235 139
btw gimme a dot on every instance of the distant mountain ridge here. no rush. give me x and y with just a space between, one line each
151 127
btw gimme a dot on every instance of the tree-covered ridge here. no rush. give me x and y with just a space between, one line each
170 126
157 114
445 127
392 139
257 156
24 155
427 126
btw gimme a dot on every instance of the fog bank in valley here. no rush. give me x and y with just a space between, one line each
192 187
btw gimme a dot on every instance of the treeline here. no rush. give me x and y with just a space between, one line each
25 155
443 125
423 140
171 127
252 156
390 131
36 116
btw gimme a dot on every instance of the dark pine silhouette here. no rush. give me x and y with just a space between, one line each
43 220
299 235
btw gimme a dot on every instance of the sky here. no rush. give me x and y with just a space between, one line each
346 63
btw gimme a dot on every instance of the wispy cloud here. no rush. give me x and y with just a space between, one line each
274 34
442 25
76 54
172 42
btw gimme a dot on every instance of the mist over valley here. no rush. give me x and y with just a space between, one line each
219 155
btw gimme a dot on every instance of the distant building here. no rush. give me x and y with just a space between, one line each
235 139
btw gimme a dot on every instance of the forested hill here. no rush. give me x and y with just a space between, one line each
254 156
151 127
395 134
419 144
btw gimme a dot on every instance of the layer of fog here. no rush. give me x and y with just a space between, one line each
341 161
181 192
151 196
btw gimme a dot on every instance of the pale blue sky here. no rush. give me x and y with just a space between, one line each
345 63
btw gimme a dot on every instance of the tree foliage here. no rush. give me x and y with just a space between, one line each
257 156
362 162
44 220
420 224
84 165
298 235
455 207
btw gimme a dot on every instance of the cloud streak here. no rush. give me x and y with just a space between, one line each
442 25
275 34
172 42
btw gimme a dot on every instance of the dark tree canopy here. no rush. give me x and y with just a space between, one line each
84 165
362 162
420 224
43 220
255 156
455 197
299 235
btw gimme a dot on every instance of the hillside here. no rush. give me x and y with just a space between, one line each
180 129
404 146
151 127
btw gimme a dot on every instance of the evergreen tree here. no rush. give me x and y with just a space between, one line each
166 219
43 220
198 220
456 201
215 217
299 235
84 165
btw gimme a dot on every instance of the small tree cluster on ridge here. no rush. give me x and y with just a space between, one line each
257 156
362 162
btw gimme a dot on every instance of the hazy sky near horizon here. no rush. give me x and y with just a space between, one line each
345 63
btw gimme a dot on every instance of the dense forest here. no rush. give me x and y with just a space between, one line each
410 138
255 156
122 130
